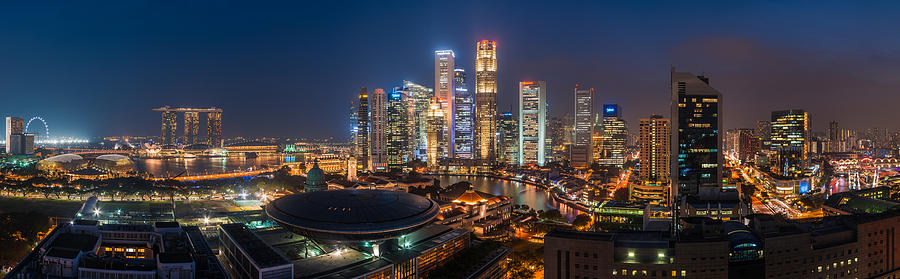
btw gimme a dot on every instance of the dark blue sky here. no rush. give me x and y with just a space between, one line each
96 68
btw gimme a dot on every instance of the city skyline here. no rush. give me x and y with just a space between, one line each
272 85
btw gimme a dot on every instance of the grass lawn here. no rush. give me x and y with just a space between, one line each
59 208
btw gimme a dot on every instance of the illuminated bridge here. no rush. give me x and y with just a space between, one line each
217 175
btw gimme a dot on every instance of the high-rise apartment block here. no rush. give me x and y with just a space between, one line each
655 150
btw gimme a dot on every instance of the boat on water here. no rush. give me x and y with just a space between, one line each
250 155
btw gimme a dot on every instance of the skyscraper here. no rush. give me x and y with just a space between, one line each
508 138
834 131
169 127
398 147
14 126
362 135
584 128
463 116
597 139
653 143
614 136
214 128
191 127
354 125
485 99
435 118
532 122
444 91
378 131
789 142
697 158
419 96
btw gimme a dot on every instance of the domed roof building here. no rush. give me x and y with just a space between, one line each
74 164
64 162
114 163
315 179
353 215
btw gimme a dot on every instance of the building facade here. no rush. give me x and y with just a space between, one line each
419 97
378 130
463 116
485 99
789 142
398 144
696 121
508 138
532 122
614 136
191 127
362 133
435 135
169 127
582 155
654 146
444 91
214 128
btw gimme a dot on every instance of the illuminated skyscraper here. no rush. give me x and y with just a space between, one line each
653 143
191 127
354 125
444 91
214 128
532 122
378 131
398 147
362 135
435 119
614 136
169 127
584 128
419 96
463 116
14 126
597 138
788 142
696 141
508 138
485 99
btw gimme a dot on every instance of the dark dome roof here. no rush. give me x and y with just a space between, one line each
353 215
315 178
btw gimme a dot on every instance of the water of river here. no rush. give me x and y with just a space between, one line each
200 166
521 193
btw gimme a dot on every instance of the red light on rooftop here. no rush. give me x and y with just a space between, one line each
527 82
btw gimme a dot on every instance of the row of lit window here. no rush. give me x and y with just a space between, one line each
835 264
635 272
120 249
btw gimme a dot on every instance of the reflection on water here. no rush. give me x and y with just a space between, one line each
199 166
521 193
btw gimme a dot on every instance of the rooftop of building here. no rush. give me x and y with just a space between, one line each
856 204
258 251
77 242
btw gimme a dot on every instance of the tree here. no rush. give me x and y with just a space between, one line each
581 220
621 194
748 189
552 214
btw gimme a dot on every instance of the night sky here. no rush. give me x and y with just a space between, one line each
291 68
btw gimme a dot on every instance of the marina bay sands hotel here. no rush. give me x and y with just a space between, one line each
191 125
